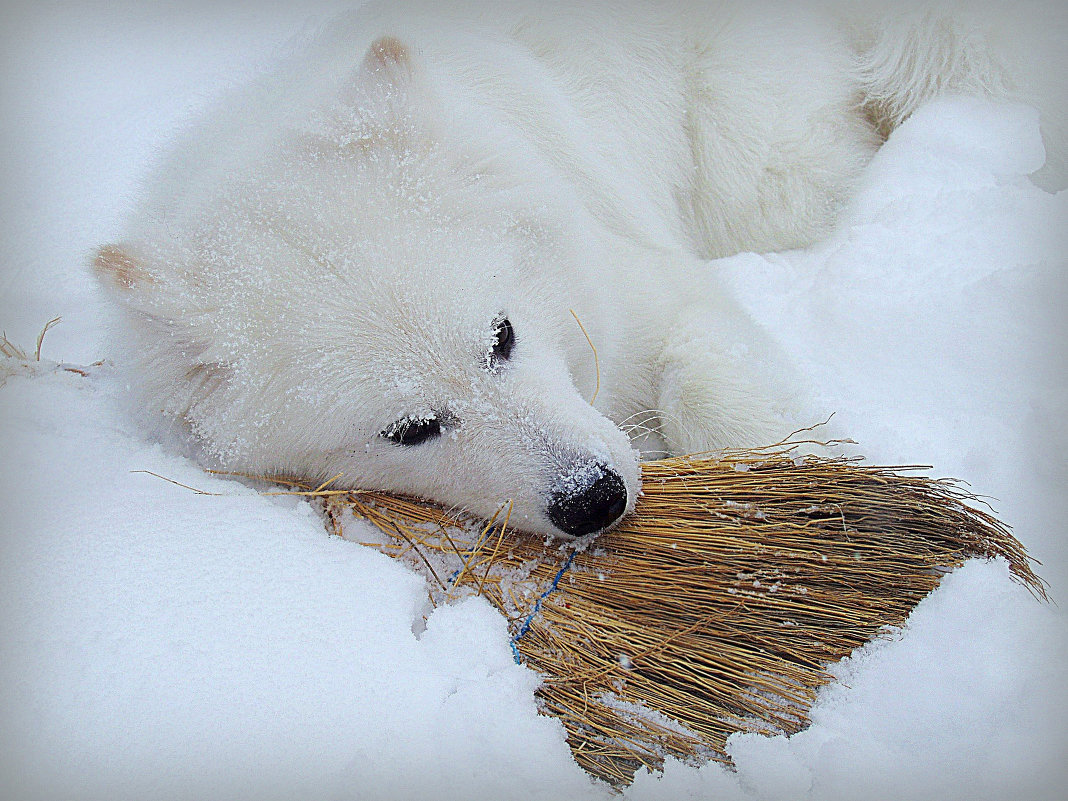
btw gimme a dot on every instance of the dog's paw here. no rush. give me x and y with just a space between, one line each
718 387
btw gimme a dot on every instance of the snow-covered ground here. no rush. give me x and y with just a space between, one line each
158 643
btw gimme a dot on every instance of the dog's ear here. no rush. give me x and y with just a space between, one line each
117 268
388 70
207 373
387 95
388 54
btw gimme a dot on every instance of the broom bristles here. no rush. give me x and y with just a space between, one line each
716 607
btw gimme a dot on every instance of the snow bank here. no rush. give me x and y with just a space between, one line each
157 642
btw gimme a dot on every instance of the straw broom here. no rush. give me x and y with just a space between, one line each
715 607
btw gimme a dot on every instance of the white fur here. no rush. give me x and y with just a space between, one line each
327 252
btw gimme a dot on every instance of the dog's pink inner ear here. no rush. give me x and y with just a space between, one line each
112 263
387 53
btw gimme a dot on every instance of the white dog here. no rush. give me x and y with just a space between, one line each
383 260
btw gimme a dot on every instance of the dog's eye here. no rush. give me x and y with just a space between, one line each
504 341
413 432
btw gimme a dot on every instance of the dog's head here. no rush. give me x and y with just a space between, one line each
367 295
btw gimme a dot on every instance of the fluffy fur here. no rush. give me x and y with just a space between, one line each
330 253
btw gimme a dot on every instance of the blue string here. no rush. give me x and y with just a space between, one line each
468 552
537 606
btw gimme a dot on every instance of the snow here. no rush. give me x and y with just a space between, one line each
158 642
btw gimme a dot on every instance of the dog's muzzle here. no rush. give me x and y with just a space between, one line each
591 499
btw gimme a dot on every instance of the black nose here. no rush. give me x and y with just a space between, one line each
588 501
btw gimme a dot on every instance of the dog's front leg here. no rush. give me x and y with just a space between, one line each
723 382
